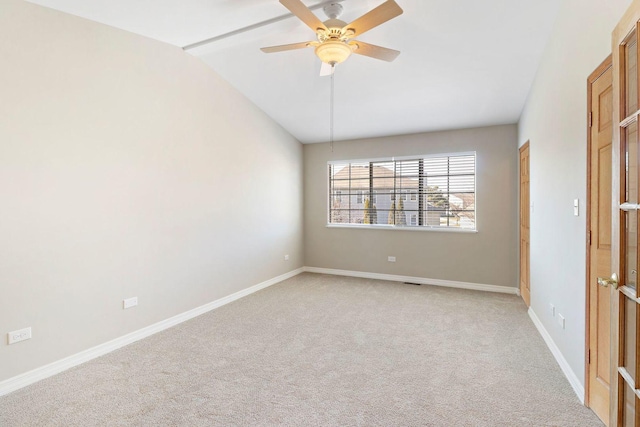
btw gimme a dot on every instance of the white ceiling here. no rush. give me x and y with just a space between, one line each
464 63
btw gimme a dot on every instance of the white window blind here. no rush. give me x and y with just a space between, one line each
433 191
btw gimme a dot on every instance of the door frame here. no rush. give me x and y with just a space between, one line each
595 75
524 146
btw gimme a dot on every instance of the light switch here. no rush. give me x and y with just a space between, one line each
576 207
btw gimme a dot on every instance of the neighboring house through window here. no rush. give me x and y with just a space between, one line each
436 191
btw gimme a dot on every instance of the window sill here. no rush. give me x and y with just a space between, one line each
403 228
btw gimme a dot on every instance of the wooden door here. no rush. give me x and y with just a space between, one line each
525 290
600 90
625 313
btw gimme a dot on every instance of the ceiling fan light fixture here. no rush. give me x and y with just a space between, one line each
333 51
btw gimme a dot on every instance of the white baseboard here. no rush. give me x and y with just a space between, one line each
578 388
421 280
23 380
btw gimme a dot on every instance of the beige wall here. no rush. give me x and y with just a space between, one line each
485 257
127 168
554 120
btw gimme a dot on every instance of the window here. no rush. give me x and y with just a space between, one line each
433 192
374 198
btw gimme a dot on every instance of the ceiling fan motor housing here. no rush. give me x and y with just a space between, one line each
334 30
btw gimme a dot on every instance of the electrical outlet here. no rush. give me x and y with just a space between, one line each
391 259
286 257
20 335
129 302
561 320
553 310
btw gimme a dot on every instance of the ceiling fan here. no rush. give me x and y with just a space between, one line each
335 44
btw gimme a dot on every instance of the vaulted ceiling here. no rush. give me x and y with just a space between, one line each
464 63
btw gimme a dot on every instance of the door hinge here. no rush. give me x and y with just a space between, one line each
589 357
590 118
589 238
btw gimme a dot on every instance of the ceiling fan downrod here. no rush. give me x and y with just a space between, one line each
333 10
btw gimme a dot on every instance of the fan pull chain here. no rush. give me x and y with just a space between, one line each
331 108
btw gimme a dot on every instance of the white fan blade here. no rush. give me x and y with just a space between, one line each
381 14
373 51
326 69
281 48
304 14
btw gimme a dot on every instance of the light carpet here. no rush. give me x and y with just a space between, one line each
319 350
